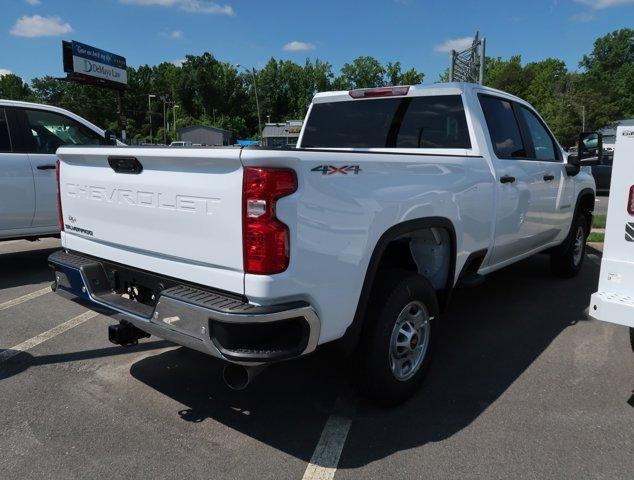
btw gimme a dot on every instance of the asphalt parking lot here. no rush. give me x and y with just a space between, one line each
524 385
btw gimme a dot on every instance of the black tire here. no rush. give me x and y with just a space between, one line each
566 261
632 338
373 375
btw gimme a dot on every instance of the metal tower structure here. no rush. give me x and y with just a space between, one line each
468 65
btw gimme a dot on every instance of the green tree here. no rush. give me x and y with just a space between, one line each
13 88
609 70
394 75
363 72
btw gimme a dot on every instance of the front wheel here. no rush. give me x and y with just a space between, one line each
567 262
398 342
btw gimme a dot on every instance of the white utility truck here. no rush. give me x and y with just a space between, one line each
392 197
614 302
30 134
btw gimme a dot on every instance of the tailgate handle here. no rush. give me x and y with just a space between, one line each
129 165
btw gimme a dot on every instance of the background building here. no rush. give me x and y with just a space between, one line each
205 135
281 134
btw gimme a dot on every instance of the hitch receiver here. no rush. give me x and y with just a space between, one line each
125 334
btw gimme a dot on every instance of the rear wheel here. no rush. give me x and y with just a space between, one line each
567 262
398 342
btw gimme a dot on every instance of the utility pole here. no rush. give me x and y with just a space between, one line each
164 122
149 109
120 117
175 107
257 102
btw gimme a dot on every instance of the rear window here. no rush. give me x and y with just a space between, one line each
405 122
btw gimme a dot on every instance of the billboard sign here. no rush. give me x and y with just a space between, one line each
87 61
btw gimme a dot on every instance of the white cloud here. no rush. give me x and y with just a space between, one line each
175 34
457 44
601 4
296 46
38 26
179 62
191 6
33 2
4 71
595 5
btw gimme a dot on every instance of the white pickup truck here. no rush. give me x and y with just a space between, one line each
392 197
30 134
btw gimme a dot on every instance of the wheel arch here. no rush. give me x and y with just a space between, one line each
383 246
585 203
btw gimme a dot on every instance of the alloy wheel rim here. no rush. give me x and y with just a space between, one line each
409 341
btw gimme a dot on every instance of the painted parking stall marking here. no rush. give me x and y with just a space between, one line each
24 298
325 459
43 337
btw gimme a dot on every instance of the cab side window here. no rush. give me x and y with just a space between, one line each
51 130
5 139
543 143
503 127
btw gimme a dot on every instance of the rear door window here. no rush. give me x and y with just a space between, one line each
51 130
503 127
5 139
404 122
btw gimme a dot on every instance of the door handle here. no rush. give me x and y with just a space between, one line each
507 179
548 178
46 167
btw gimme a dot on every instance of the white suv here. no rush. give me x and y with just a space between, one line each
30 134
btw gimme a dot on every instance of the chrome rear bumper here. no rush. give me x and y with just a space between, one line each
211 322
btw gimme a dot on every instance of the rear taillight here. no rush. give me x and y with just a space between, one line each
265 239
630 201
60 217
379 92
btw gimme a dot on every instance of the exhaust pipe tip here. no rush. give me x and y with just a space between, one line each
238 377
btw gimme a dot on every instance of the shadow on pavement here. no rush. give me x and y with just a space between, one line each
21 361
491 334
285 406
25 267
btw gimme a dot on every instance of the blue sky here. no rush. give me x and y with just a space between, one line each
415 32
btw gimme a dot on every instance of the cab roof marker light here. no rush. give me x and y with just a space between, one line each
379 92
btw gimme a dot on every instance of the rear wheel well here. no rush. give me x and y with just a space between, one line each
586 207
427 251
393 250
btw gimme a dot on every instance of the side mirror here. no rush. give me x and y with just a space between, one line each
110 138
589 150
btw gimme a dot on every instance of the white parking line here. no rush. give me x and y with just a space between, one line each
323 464
43 337
24 298
9 242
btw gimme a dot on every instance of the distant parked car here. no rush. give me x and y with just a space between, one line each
602 173
30 134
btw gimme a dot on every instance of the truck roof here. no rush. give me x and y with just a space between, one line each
50 108
449 88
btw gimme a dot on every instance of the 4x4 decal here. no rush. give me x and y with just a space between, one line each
334 170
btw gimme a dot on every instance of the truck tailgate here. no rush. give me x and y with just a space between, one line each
180 216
